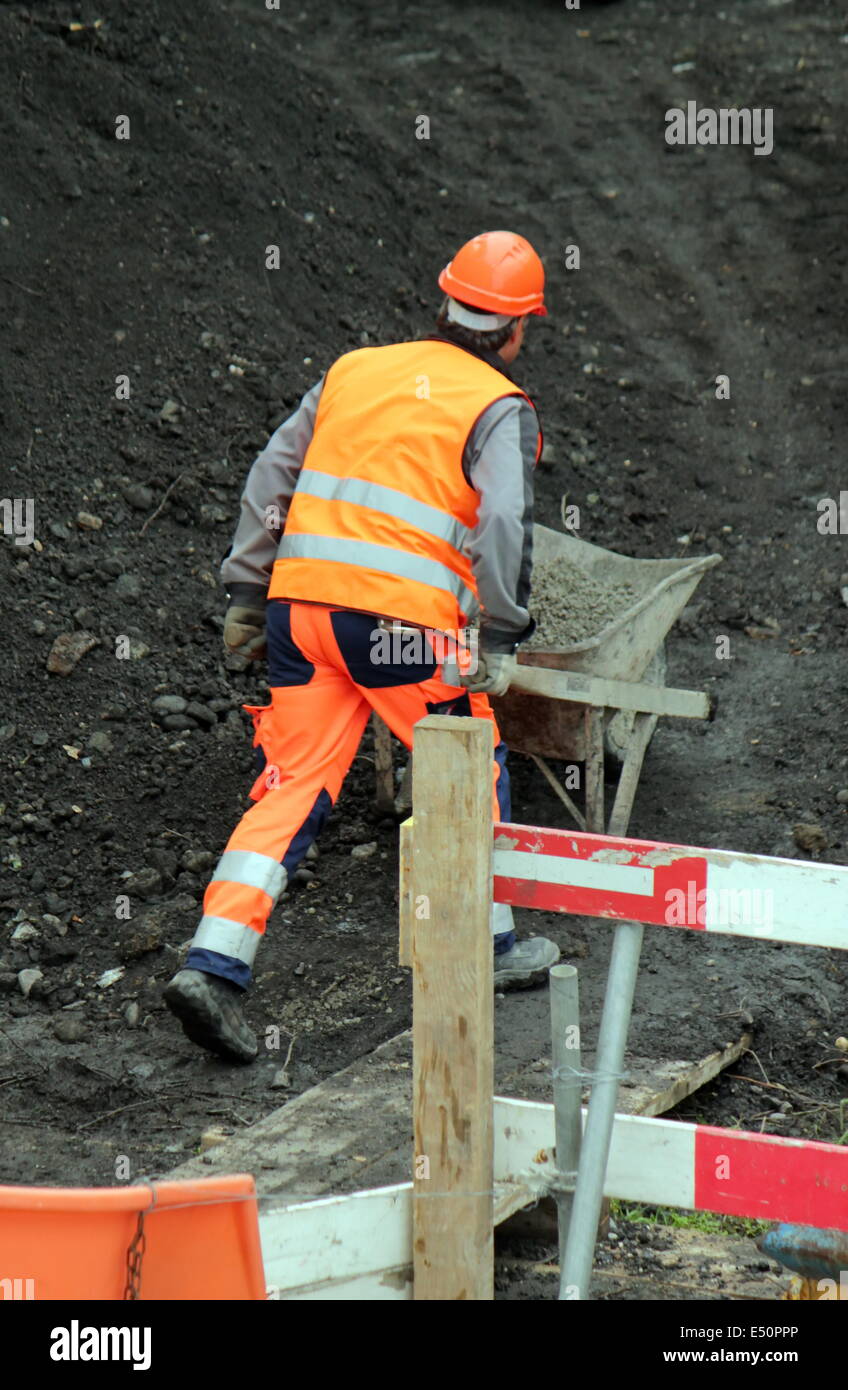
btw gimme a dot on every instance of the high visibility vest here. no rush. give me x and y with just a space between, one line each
382 514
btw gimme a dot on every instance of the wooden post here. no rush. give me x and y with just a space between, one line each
406 908
383 765
594 726
453 1013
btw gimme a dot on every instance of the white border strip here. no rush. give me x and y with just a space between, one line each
574 873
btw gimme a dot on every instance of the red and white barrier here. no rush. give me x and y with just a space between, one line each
359 1246
696 1167
671 885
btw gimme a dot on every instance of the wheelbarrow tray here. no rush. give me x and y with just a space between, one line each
623 650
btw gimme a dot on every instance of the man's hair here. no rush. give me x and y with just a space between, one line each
473 338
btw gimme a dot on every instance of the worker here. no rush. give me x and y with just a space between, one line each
398 496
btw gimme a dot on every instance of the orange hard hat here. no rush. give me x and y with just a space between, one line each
498 272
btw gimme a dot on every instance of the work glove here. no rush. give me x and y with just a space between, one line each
494 672
244 630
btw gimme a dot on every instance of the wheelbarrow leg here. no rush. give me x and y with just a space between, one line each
643 728
593 724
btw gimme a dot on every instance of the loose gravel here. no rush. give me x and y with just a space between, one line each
570 605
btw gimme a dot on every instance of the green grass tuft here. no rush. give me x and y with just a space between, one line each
707 1221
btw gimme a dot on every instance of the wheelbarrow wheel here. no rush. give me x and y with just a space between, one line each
620 726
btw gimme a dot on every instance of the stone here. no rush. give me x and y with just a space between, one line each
201 714
69 1030
810 838
27 979
67 650
170 704
197 861
139 496
146 937
144 884
364 851
25 932
59 953
178 723
211 1139
127 586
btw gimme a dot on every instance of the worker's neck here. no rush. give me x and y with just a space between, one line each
494 359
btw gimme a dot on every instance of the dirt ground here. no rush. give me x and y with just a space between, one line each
145 257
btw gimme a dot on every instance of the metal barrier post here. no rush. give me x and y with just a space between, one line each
588 1193
565 1033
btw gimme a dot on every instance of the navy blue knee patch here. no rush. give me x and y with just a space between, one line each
376 658
286 663
308 832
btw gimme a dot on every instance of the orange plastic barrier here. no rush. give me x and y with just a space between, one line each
201 1240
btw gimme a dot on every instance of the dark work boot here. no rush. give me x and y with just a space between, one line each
526 963
210 1010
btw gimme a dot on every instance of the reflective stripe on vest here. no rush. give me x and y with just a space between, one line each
382 515
384 559
385 499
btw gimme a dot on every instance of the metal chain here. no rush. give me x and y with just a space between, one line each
135 1256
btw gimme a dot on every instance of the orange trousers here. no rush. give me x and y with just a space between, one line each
325 678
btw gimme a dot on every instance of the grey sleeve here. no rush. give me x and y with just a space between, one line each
499 462
270 484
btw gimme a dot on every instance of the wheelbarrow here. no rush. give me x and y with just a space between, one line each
601 697
597 700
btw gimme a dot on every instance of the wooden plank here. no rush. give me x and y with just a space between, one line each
383 1286
383 765
453 1014
356 1247
406 902
352 1131
307 1245
652 1088
603 691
